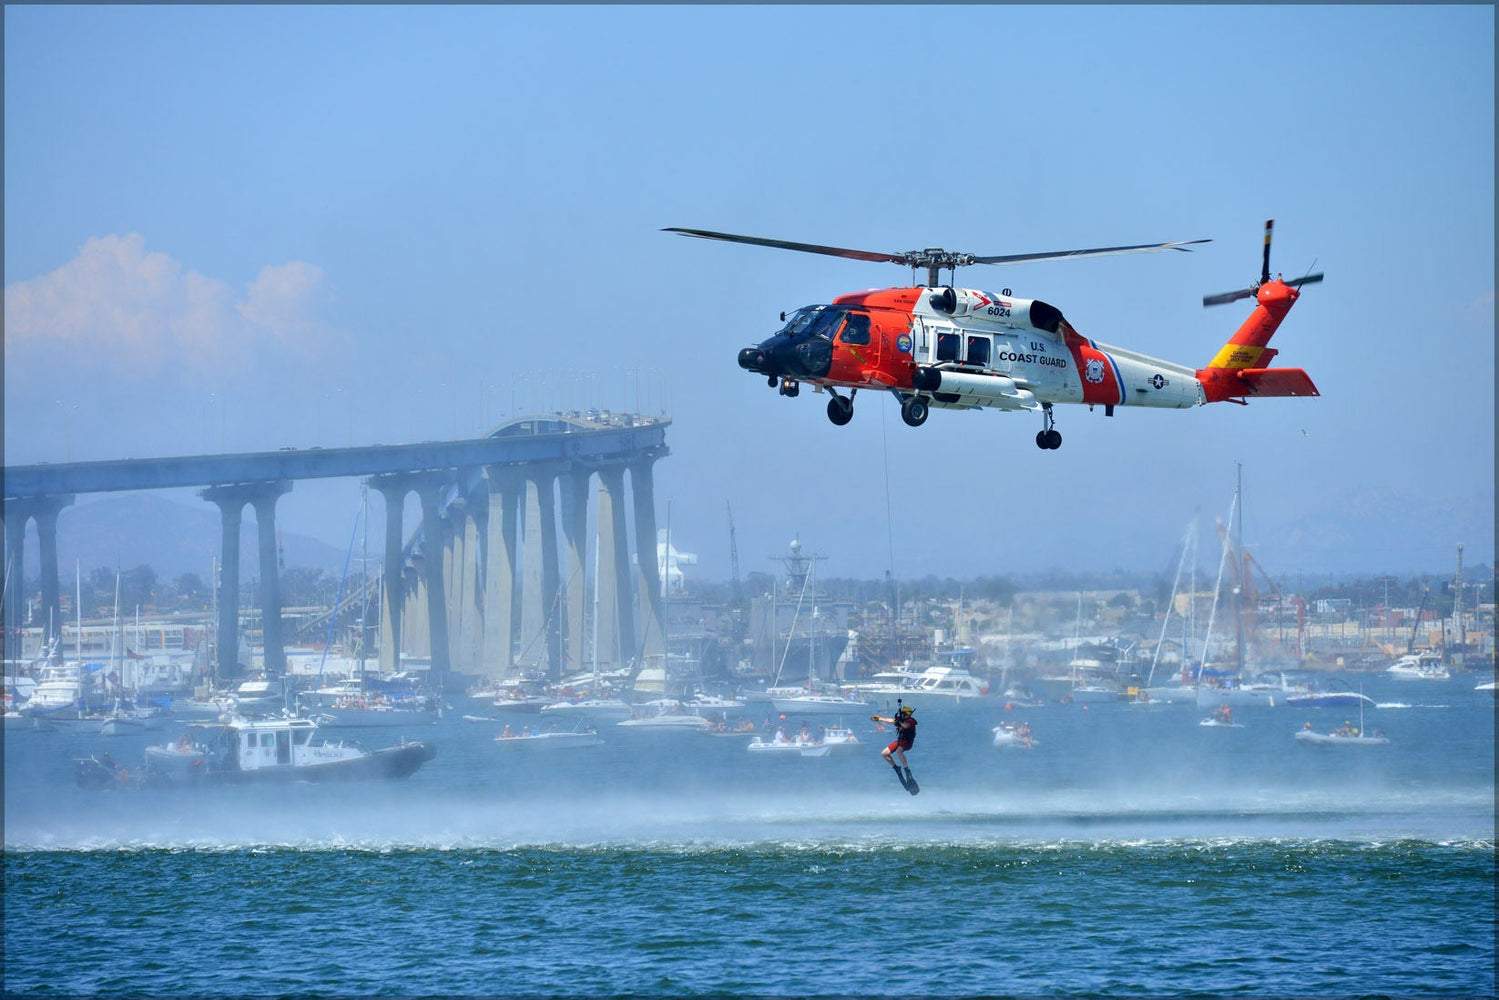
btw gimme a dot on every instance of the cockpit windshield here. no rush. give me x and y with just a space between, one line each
814 321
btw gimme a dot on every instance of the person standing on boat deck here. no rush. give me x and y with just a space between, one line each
905 734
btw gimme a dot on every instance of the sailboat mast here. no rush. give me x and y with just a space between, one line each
116 637
1240 566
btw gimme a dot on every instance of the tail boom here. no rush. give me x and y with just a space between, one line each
1238 370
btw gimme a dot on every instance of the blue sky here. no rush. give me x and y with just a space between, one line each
242 228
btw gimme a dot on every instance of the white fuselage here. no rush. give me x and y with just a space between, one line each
990 352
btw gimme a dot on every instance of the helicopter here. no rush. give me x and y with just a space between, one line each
937 345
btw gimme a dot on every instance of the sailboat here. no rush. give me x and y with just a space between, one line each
1229 686
1184 692
812 701
595 709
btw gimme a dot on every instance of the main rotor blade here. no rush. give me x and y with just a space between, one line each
1017 258
788 245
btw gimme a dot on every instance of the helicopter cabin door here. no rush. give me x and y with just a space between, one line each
858 348
947 343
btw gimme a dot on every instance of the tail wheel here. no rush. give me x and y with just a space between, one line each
840 410
913 411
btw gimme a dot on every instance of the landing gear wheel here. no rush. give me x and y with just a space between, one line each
1048 438
840 410
913 411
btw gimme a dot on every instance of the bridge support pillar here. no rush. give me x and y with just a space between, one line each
652 612
575 542
541 632
455 539
394 489
231 500
44 510
15 576
471 621
616 600
499 571
430 492
273 645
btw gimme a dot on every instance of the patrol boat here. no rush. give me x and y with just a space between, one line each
285 749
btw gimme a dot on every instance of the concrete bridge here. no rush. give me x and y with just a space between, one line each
495 586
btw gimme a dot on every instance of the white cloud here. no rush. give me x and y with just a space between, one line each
123 307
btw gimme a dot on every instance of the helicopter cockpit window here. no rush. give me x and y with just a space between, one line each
816 321
949 346
802 320
856 332
978 351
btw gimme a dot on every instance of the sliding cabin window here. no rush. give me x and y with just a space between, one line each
978 351
948 346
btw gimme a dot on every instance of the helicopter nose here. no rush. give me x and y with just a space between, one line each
755 359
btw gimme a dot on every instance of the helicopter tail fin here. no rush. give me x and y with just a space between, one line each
1238 370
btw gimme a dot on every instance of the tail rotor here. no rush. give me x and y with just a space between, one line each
1223 298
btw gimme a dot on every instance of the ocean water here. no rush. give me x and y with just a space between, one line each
1131 852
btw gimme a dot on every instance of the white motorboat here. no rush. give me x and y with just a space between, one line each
529 740
205 708
63 693
516 700
1014 736
350 704
595 710
897 682
259 696
786 748
1237 695
1425 666
1095 694
838 738
711 703
818 704
949 685
518 695
124 720
665 721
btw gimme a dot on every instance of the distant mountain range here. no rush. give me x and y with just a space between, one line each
132 529
1385 531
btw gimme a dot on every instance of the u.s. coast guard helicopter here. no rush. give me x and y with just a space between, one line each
960 348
